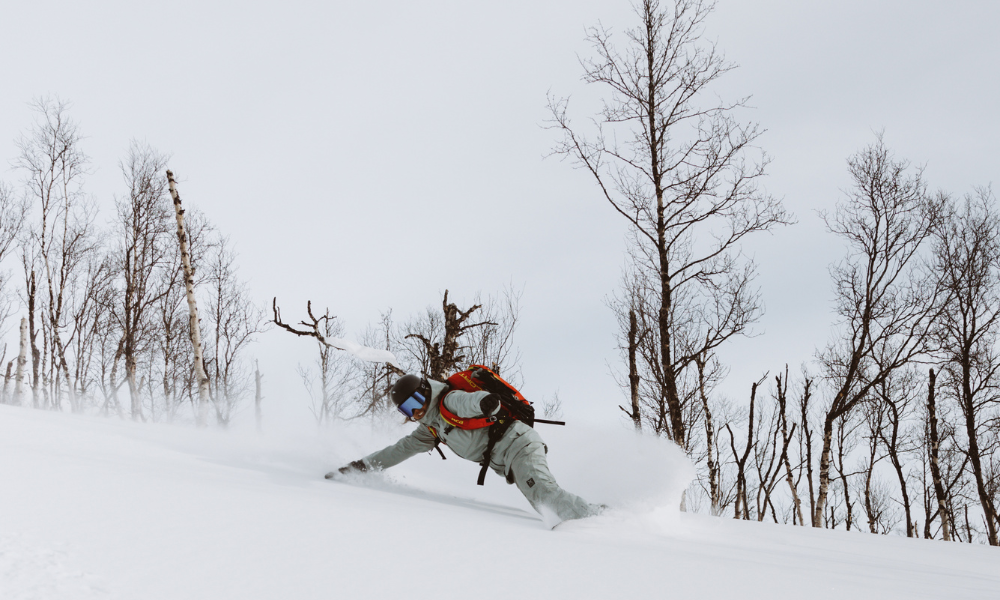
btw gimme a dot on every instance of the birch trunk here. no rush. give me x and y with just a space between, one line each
33 336
824 473
6 383
791 481
199 363
893 449
713 468
633 371
71 389
22 360
257 398
133 391
113 378
935 466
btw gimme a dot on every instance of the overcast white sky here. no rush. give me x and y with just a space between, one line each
369 156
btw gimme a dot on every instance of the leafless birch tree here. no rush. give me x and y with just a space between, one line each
492 343
932 446
374 380
12 216
201 377
335 374
142 229
54 166
232 320
331 382
967 257
176 369
684 172
897 396
22 360
886 305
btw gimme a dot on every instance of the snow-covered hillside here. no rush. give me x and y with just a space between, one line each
97 508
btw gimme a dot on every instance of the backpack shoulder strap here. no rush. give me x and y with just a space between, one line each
461 422
496 432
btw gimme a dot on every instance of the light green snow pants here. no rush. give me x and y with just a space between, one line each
530 471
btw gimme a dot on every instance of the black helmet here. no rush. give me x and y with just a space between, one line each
406 385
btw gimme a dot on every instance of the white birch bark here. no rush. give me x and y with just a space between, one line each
22 360
6 384
199 364
258 397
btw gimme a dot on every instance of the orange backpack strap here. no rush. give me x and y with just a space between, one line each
460 422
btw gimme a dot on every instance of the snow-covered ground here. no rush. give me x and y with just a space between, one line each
98 508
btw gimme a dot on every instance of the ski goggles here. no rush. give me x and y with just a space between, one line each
414 402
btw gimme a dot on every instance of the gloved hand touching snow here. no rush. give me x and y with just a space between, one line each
357 466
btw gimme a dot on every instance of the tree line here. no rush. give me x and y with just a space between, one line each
893 426
104 322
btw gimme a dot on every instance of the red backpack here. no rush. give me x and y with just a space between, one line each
479 378
513 407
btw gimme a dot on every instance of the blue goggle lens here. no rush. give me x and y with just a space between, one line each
414 402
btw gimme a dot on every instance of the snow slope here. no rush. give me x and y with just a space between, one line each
97 508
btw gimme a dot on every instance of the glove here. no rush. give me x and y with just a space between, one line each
358 466
489 404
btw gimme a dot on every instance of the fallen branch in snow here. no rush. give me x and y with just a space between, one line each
313 330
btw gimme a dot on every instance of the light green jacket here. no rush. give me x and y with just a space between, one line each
470 444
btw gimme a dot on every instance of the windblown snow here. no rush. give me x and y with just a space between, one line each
98 508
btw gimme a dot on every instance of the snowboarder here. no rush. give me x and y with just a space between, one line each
519 455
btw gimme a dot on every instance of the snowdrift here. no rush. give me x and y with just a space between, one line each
98 508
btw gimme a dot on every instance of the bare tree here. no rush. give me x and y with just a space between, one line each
335 375
895 398
679 167
22 360
492 343
442 339
142 227
742 508
781 395
806 441
967 257
767 456
233 321
93 297
709 372
29 261
194 323
258 396
875 420
54 164
642 344
374 380
886 306
328 402
12 216
171 312
552 407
